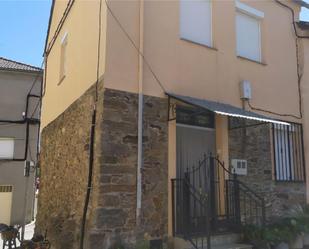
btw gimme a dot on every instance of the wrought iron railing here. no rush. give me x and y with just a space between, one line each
209 199
190 221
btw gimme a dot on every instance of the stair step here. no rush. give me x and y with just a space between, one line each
232 246
223 241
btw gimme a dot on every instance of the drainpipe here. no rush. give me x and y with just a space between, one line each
140 114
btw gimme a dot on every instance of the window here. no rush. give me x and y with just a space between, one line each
63 57
248 32
195 117
288 152
195 21
6 148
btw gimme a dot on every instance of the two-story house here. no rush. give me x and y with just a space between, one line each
20 90
166 120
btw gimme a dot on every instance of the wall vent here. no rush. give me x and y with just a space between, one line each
6 188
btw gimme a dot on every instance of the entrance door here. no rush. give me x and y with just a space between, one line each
192 143
6 194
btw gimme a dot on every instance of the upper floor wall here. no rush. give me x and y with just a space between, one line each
160 30
71 64
212 70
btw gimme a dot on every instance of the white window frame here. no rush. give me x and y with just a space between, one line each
63 57
253 13
13 151
211 26
248 10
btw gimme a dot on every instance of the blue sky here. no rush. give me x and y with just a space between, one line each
305 14
23 26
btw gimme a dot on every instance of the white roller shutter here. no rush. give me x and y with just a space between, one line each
248 36
195 21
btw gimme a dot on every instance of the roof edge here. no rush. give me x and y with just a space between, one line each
9 70
23 64
302 3
303 25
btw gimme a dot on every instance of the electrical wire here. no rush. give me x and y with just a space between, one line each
92 134
299 76
59 27
135 46
50 45
36 78
271 112
293 16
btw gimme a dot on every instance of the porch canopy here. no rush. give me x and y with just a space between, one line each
223 109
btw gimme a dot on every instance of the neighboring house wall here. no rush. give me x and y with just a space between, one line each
305 101
13 97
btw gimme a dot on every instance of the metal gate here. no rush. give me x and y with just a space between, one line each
209 199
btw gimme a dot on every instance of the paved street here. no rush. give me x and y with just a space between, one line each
28 233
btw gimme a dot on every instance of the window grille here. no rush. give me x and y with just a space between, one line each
288 152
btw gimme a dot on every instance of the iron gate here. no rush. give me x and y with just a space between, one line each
209 199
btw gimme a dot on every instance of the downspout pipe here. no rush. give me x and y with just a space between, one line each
140 114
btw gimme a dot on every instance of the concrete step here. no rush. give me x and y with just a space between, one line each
217 240
224 246
231 246
223 239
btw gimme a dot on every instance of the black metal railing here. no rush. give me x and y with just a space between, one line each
208 199
190 221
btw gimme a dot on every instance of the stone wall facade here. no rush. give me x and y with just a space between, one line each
64 170
116 213
254 144
111 221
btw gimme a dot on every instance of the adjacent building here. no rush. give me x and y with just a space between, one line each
199 106
20 90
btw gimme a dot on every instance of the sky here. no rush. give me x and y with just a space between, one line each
304 15
23 27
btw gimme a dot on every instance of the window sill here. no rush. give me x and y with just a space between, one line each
254 61
61 79
200 44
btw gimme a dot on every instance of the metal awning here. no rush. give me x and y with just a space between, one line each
223 109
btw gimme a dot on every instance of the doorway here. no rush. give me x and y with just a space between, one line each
193 142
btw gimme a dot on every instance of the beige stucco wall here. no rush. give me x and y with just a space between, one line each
81 27
195 70
181 66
